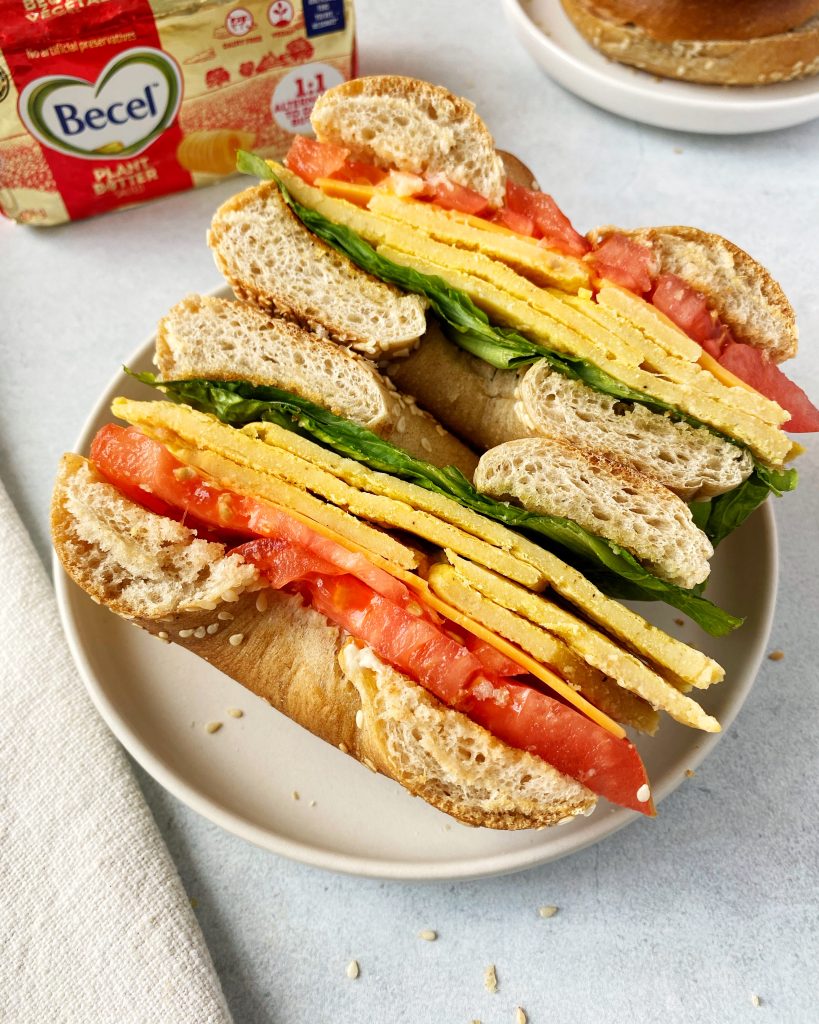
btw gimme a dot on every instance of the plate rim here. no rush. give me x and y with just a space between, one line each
750 100
609 822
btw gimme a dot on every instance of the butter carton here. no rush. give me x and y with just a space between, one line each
106 103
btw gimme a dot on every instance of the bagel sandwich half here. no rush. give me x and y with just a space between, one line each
667 558
657 347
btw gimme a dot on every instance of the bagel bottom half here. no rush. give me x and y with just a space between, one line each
194 593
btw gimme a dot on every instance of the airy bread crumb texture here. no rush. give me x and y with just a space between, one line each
556 478
692 462
204 336
271 259
412 126
211 337
135 562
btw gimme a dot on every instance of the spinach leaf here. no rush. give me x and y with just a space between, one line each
723 514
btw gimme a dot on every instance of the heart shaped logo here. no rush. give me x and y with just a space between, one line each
134 99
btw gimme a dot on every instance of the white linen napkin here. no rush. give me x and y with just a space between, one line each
95 924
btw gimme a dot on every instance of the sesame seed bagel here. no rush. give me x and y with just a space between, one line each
697 45
157 573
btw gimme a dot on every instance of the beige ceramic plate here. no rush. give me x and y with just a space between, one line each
553 41
157 699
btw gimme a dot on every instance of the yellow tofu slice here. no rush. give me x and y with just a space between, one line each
529 563
524 255
595 648
675 659
769 443
541 315
656 327
603 692
705 376
148 416
683 666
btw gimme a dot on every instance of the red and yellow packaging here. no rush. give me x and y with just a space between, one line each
106 103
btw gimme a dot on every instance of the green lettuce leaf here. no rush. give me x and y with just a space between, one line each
723 514
238 402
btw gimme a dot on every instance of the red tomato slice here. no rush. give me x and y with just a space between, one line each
493 661
310 159
529 720
754 367
513 712
284 562
449 196
713 346
409 642
359 173
687 308
551 224
134 462
514 221
625 262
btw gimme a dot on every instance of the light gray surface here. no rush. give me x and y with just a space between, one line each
680 919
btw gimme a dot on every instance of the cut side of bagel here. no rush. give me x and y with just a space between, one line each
453 764
134 562
553 477
270 259
213 338
692 462
412 126
195 594
759 61
749 301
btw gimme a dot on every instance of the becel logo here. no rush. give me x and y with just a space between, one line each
134 99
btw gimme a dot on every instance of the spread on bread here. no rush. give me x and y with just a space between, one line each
442 606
